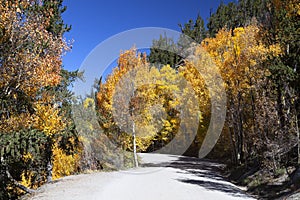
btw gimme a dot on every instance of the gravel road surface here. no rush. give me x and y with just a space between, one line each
161 177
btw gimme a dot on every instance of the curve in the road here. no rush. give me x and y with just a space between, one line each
162 177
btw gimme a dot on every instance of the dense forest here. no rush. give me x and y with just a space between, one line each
252 44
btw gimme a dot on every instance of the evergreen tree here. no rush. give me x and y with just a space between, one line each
34 96
238 14
195 30
163 52
166 51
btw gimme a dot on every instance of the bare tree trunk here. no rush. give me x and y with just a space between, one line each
235 135
240 129
49 172
134 146
234 153
298 139
48 158
19 185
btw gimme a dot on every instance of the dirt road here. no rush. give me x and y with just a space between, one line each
162 177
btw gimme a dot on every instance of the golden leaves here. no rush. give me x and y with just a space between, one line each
88 102
31 54
240 56
30 65
30 61
163 101
47 119
27 157
15 122
63 164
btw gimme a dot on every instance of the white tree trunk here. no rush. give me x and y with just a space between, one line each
298 139
49 172
134 146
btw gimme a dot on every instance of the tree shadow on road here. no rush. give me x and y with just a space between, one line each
203 173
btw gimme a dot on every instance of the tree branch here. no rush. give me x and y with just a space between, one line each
19 185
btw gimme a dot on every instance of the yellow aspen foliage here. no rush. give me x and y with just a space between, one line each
236 40
155 101
127 61
48 119
27 157
28 176
88 102
15 122
192 74
63 164
30 58
239 56
27 180
31 116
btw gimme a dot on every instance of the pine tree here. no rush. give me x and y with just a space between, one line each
32 89
165 51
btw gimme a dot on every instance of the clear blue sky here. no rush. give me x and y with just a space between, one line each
93 21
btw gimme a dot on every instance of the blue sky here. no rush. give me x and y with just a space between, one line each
93 21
